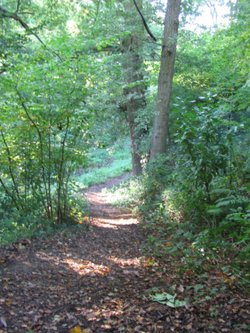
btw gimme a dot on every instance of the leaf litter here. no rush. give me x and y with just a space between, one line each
100 280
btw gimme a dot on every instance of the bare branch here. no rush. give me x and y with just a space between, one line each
18 6
144 21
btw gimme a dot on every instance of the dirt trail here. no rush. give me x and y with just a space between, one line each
95 280
103 214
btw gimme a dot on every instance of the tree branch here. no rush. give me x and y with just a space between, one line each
97 10
144 21
14 16
18 6
6 14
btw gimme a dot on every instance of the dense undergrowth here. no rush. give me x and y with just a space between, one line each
106 163
197 208
103 164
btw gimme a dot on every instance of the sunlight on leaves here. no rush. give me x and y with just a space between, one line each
77 329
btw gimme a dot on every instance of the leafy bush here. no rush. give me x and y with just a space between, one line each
126 194
195 200
106 163
42 122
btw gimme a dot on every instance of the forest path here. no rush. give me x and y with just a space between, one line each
97 280
104 214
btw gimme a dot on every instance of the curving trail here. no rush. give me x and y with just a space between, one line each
96 279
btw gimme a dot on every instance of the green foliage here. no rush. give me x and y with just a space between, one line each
41 124
157 177
169 300
126 194
43 119
16 227
211 125
195 202
105 164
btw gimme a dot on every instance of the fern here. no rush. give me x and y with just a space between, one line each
232 200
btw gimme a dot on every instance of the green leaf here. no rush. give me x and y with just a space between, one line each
169 300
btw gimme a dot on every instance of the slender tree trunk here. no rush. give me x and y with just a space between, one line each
133 73
161 122
12 173
61 176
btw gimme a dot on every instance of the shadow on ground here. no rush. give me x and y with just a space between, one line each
96 278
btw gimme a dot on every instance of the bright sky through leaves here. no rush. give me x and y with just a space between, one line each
211 16
212 13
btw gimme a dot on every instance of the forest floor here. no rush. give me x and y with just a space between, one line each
98 279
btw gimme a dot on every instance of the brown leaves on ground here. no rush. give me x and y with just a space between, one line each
99 281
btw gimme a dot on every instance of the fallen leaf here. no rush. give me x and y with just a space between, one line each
180 289
189 326
3 322
2 260
56 318
76 329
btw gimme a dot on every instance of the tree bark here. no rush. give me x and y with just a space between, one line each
133 74
161 122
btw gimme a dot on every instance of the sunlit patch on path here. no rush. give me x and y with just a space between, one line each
98 280
105 215
87 267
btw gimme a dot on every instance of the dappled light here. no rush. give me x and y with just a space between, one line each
95 281
105 215
115 223
124 166
133 262
86 267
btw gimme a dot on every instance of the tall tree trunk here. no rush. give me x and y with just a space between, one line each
133 73
161 122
